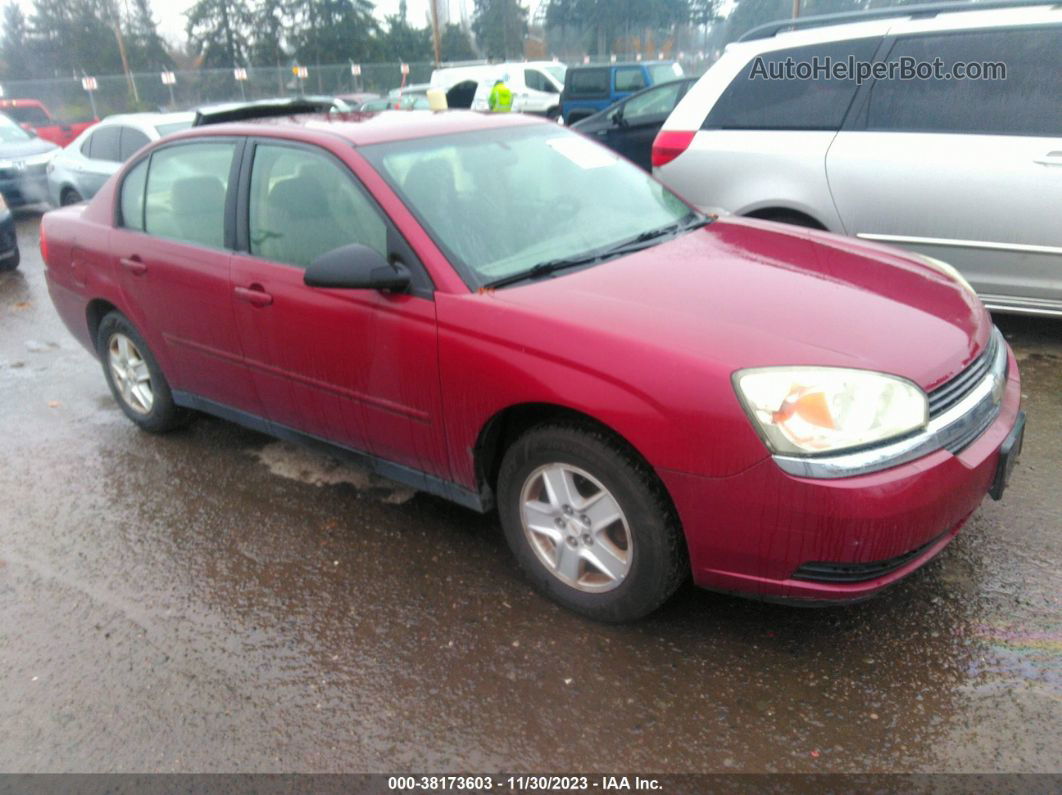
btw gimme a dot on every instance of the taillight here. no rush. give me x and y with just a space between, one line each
669 144
44 246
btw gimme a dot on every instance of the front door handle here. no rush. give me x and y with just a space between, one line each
1050 159
134 265
255 295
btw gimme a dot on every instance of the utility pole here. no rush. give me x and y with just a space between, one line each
435 31
796 8
121 52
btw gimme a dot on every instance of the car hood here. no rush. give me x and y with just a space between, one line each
744 293
17 149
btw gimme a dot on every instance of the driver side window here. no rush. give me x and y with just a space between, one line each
304 204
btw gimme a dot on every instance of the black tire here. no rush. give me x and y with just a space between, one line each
11 262
659 563
553 113
69 196
164 414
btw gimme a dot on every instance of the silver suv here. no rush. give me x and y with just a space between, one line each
964 170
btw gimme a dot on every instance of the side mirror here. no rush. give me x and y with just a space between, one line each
356 267
617 117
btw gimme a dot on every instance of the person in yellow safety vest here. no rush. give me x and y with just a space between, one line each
501 98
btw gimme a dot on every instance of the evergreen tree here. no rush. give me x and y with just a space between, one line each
267 44
500 26
402 41
218 30
146 49
15 50
455 45
333 31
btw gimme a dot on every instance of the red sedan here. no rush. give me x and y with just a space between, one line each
498 311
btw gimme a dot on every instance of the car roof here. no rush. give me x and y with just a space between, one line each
915 21
364 129
152 119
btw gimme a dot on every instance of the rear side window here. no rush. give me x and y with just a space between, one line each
103 144
630 78
131 141
587 83
1027 102
132 200
754 102
662 72
304 204
185 197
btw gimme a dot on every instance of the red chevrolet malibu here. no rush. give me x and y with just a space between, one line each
498 311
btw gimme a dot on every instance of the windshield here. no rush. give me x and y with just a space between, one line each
662 72
10 132
557 70
501 201
172 127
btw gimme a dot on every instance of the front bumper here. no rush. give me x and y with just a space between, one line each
29 187
758 532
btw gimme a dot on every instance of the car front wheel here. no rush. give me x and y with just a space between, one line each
589 524
134 377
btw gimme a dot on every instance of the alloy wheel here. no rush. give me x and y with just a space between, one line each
130 372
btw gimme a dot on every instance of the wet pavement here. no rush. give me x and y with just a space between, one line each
214 600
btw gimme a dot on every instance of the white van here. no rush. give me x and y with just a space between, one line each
536 85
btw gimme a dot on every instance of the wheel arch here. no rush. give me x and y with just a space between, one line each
97 309
506 425
785 214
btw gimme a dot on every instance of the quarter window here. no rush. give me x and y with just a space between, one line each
304 204
186 189
131 141
754 102
133 196
1027 102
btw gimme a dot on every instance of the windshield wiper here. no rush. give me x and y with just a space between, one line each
637 243
544 269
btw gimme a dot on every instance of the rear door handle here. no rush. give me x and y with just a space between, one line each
134 265
255 295
1050 159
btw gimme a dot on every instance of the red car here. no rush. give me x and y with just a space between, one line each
499 311
32 115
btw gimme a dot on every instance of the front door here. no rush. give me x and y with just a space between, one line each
354 367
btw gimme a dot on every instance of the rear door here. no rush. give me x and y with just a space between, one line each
965 170
355 367
172 249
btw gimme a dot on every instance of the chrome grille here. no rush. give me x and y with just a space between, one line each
948 394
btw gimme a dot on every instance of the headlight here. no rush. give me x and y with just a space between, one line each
805 410
948 270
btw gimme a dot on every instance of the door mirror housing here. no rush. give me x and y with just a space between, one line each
356 267
617 117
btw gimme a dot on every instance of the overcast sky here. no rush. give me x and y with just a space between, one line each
170 13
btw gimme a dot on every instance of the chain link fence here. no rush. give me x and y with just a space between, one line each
145 91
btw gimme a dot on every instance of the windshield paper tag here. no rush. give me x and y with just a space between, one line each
585 154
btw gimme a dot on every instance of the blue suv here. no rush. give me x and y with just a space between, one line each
588 89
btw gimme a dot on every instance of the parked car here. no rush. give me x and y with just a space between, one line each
589 89
535 85
358 98
630 126
23 160
9 253
33 116
496 310
966 170
76 173
414 97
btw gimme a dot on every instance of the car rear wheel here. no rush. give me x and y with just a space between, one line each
589 524
69 196
134 377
